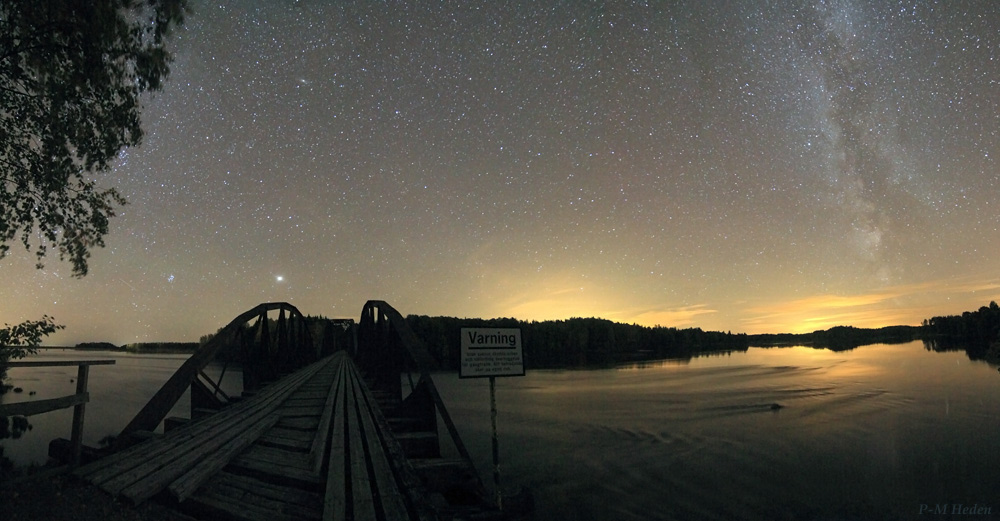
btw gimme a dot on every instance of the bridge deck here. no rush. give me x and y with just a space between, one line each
313 445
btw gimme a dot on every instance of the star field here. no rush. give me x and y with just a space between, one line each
754 168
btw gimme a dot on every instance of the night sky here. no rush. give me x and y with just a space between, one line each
744 166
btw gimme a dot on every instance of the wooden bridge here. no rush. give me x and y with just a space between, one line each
324 428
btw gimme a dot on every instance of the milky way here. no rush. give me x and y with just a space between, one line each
715 164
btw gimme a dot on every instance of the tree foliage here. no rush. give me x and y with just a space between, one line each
22 339
71 73
977 329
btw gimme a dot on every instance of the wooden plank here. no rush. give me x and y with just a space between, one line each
183 486
319 385
147 457
290 434
63 363
335 497
235 482
150 483
299 423
440 464
317 393
142 475
393 504
312 403
276 472
411 481
364 504
42 406
217 505
274 498
300 447
277 456
299 412
322 432
113 465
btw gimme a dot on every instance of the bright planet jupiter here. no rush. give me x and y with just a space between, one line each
744 166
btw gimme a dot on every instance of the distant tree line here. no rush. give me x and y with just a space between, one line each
161 347
98 346
576 342
976 332
972 327
840 338
325 338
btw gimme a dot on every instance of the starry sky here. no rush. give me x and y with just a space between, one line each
756 167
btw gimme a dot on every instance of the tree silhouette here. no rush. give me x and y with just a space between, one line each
71 73
20 340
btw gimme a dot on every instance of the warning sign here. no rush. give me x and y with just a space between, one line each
491 352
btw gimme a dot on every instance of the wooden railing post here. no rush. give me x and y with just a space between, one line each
76 436
373 339
77 401
257 364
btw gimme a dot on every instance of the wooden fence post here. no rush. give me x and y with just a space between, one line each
76 436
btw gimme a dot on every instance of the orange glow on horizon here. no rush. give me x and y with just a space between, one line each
890 306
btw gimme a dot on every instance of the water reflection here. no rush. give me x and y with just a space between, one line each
117 393
870 433
654 364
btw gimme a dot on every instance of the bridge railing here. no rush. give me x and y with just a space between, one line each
387 349
77 401
264 347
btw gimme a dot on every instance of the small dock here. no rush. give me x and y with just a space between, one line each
337 438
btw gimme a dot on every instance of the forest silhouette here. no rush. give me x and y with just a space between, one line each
594 342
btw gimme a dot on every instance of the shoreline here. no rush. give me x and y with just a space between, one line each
151 348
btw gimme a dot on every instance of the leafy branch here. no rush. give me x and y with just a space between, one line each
71 73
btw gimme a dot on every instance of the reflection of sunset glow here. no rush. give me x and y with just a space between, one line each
834 365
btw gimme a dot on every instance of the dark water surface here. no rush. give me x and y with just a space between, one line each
874 433
117 393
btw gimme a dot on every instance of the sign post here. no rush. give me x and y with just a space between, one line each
496 443
492 352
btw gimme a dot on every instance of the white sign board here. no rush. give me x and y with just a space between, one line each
491 352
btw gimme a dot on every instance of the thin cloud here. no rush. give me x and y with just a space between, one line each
673 317
895 305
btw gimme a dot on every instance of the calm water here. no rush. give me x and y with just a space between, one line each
872 433
117 393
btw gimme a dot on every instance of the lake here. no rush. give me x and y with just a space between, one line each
117 393
880 432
